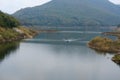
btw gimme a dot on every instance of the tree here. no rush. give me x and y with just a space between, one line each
8 21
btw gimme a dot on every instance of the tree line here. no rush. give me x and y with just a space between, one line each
8 21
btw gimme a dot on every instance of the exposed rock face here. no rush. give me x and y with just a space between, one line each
10 35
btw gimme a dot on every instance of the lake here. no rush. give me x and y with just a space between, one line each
61 55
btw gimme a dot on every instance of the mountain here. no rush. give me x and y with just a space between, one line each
7 21
71 13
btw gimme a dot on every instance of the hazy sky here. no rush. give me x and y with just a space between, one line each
115 1
10 6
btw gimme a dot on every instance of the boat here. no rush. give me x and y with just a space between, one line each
69 40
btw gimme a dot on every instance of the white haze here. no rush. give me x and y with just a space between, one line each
10 6
115 1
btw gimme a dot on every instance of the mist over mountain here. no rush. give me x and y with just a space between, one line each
71 13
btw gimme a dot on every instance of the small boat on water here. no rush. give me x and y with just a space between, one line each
69 40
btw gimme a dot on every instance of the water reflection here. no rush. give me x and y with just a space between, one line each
115 56
102 52
53 60
7 48
57 62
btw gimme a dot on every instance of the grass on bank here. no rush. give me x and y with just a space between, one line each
104 44
7 33
17 33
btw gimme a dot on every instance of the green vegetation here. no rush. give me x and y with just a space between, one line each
8 21
103 44
71 13
106 45
9 35
116 59
9 30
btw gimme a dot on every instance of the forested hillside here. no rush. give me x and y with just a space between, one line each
71 13
8 21
10 29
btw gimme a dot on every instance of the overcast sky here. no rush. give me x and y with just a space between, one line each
115 1
10 6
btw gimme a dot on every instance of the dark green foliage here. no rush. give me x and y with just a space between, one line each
8 21
71 13
5 49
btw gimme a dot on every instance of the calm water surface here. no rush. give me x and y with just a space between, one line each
51 56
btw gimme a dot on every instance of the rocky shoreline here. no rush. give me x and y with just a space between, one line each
106 45
16 34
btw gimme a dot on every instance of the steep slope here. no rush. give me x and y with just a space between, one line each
10 30
71 13
8 21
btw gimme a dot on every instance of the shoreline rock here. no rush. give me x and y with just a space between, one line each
16 34
106 45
